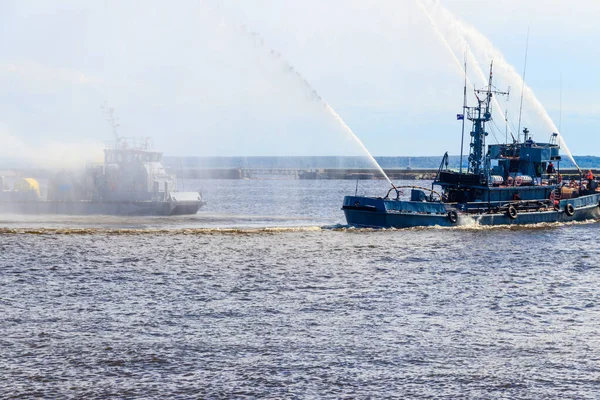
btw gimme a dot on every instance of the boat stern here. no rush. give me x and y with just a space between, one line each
377 212
364 211
184 203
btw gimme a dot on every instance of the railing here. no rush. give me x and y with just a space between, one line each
473 113
135 143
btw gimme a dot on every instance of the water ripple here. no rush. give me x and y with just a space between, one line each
300 312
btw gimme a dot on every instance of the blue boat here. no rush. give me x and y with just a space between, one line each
512 183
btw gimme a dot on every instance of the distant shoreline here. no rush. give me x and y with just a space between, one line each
306 167
343 162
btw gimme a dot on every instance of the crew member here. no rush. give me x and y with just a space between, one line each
589 176
550 169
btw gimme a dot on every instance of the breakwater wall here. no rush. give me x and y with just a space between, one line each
287 173
323 173
298 173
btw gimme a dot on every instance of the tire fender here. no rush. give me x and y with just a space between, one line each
569 209
511 212
452 216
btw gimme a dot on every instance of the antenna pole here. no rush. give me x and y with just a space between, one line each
462 138
506 126
523 88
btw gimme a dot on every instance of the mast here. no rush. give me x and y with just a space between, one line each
462 138
523 88
114 124
479 115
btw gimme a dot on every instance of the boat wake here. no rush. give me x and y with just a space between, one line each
154 231
270 230
474 226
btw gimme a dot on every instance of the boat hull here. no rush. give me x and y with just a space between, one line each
139 208
382 213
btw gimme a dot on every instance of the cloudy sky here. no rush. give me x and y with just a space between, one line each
249 78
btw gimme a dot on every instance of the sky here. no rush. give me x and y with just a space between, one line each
266 77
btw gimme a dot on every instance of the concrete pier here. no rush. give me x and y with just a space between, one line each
324 173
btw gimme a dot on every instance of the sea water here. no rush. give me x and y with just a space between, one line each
267 294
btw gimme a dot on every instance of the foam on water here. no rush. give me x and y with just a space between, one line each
473 225
154 231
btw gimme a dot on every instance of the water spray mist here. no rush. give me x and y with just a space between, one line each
258 40
469 34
